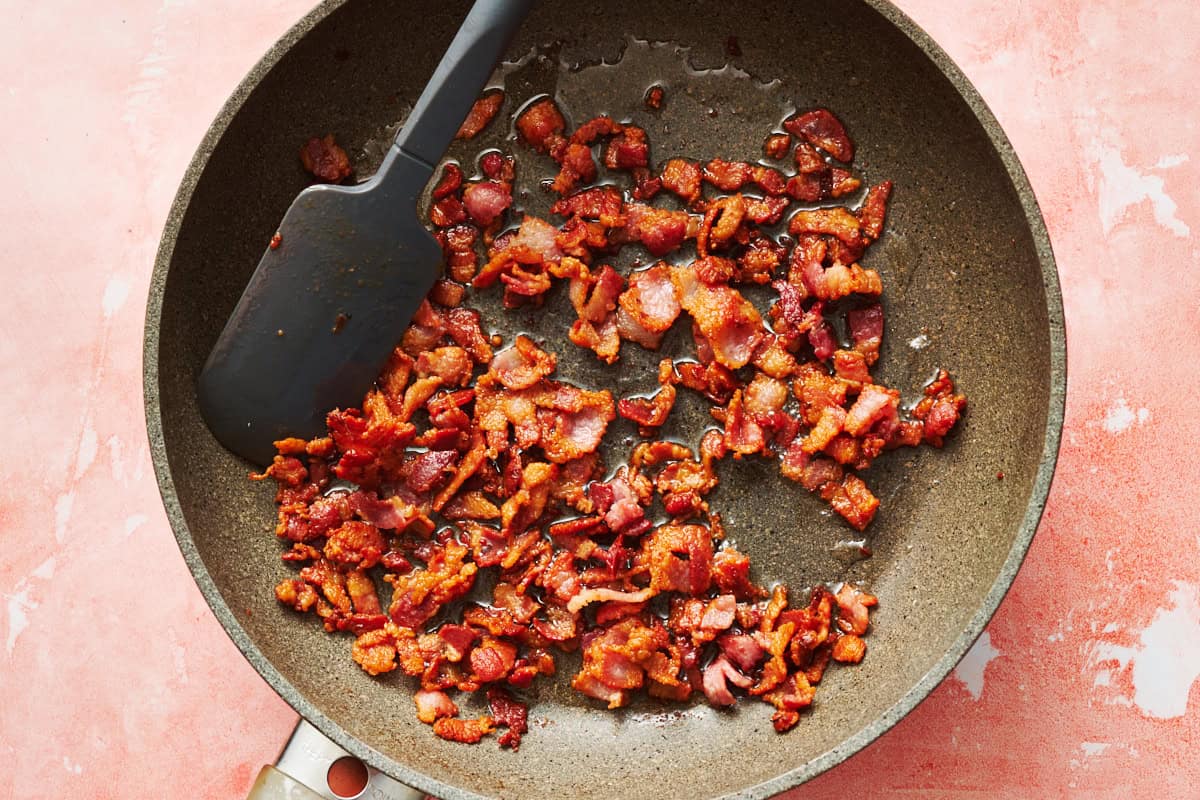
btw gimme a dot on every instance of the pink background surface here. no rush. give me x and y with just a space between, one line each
118 682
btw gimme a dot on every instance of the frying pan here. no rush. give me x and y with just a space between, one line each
970 285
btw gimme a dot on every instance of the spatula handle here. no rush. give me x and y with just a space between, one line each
461 74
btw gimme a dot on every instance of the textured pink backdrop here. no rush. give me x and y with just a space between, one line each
116 680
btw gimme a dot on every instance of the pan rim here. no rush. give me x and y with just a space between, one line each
1056 403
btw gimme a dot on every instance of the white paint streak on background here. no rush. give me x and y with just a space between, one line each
1121 186
974 664
1120 417
1164 663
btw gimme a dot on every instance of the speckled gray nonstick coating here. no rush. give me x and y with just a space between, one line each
966 262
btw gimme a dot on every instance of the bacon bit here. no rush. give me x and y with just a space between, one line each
874 209
805 188
325 160
577 166
835 221
629 150
766 211
721 222
602 203
851 366
776 145
459 250
486 201
355 544
467 731
866 329
682 178
853 605
822 129
654 97
729 322
649 307
510 714
716 677
450 181
849 649
588 596
940 409
540 123
658 229
481 114
843 183
760 259
433 705
728 176
652 412
853 500
680 559
875 404
447 293
374 651
417 596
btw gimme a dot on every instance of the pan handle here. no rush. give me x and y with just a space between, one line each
303 769
462 72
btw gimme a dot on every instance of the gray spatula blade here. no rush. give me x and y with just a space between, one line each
324 309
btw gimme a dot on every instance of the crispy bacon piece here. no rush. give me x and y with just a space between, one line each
717 676
866 329
658 229
467 731
728 176
509 714
577 167
601 203
853 613
522 365
450 181
573 422
875 405
417 596
776 145
721 222
649 307
355 544
652 412
940 408
433 705
874 209
680 559
628 150
849 649
853 500
481 114
729 322
375 651
325 160
682 178
822 129
459 249
539 123
835 221
485 201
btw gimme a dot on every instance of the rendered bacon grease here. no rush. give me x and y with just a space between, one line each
469 456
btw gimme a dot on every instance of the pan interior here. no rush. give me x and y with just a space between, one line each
958 259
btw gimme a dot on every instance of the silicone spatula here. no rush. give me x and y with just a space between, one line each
323 311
